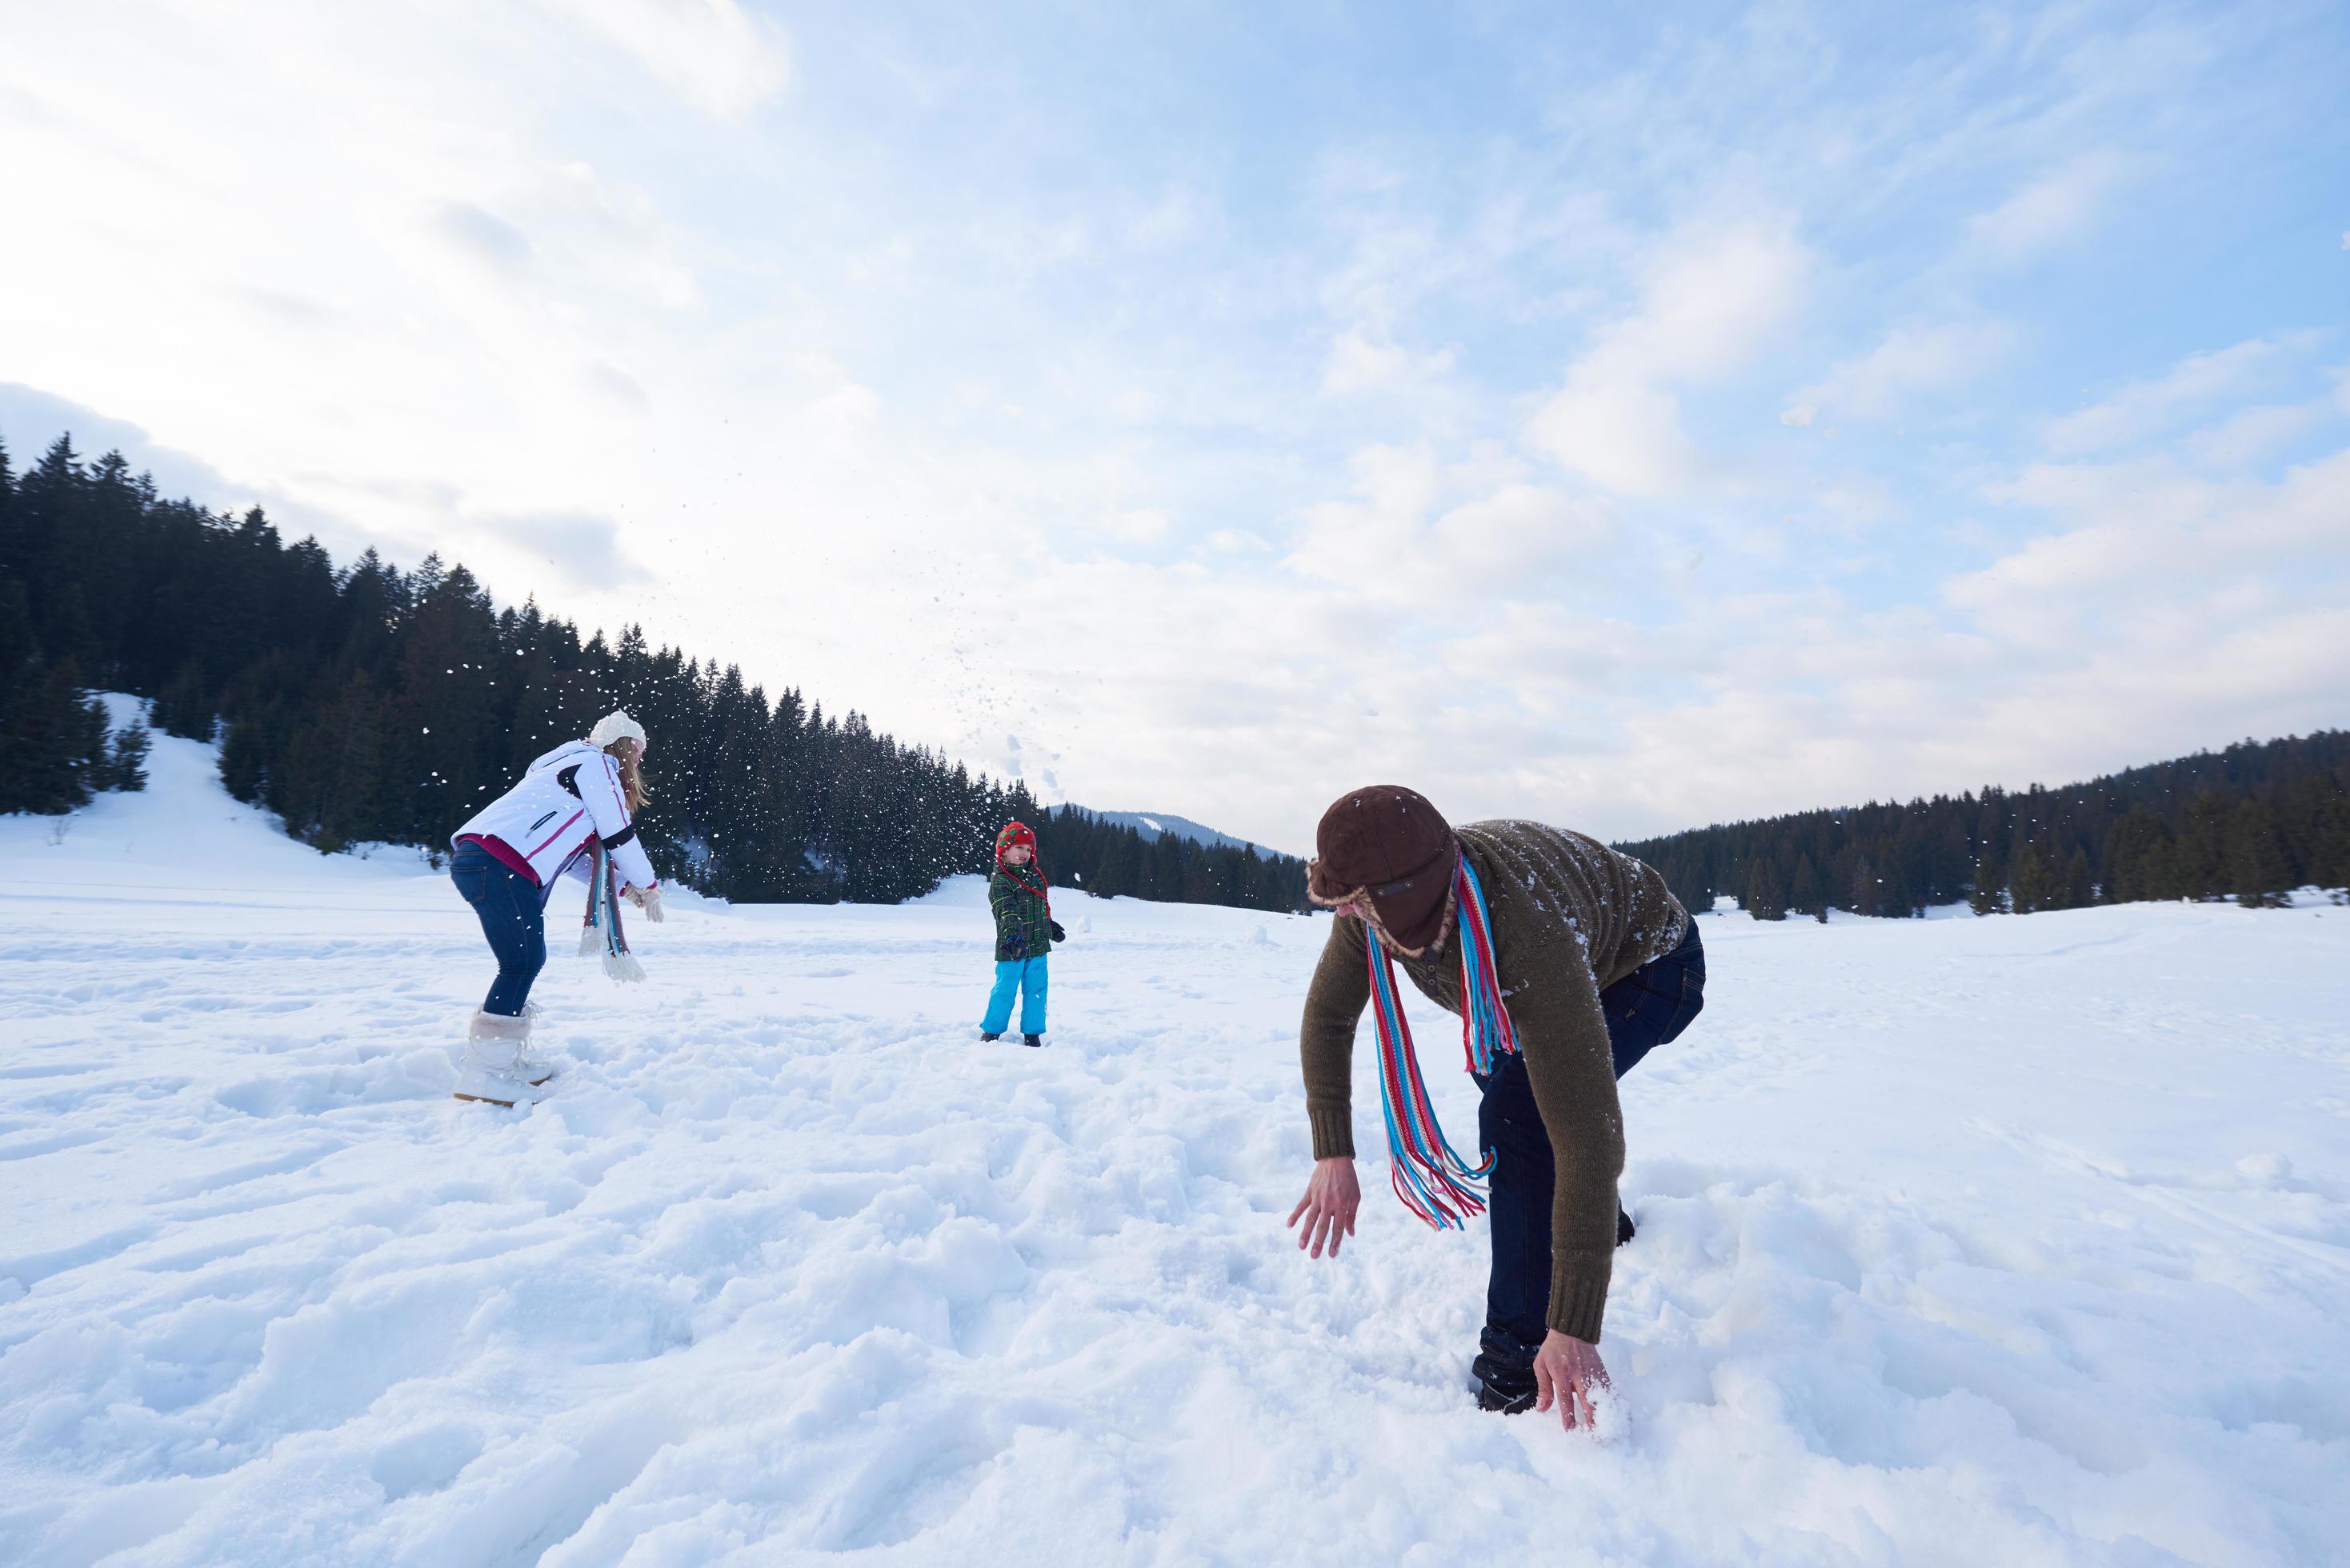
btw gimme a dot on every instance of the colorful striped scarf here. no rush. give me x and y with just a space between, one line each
600 930
1433 1181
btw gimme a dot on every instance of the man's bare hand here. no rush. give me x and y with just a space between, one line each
1569 1370
1332 1196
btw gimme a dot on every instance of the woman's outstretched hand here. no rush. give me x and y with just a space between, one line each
1569 1371
1332 1196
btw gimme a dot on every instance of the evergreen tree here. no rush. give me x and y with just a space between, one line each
1984 894
1763 900
2201 856
2258 869
2138 857
56 740
19 645
2332 838
2030 887
1806 892
185 707
243 765
125 768
1861 886
2077 892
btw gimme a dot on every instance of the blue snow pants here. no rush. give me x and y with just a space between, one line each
1645 1009
1026 977
512 918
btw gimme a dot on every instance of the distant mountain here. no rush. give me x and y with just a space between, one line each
1151 824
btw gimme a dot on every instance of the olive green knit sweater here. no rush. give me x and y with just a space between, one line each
1570 917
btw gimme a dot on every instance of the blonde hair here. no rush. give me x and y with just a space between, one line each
630 755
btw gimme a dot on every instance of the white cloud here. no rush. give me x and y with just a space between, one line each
1520 527
1416 531
1623 436
2049 211
2251 434
1713 297
1909 360
2145 408
2153 523
1800 416
1363 359
1137 525
719 55
844 411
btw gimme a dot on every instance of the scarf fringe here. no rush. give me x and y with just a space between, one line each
600 933
1433 1181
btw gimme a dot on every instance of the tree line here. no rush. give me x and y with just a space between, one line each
1112 860
365 703
2251 823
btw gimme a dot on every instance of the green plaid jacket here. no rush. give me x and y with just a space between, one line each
1022 929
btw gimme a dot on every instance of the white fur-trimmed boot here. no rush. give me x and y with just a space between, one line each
536 1063
495 1072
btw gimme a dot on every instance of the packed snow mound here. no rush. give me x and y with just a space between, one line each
1963 1241
957 893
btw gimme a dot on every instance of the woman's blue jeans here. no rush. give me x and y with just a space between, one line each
1025 977
1645 1009
512 918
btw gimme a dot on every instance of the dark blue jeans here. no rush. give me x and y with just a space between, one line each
512 918
1645 1009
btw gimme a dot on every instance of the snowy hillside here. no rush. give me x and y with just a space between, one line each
1151 824
1962 1241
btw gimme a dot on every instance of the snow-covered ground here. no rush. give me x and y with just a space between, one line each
1961 1241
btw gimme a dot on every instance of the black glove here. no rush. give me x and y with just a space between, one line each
1015 948
1058 935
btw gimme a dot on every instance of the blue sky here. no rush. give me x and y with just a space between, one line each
1630 423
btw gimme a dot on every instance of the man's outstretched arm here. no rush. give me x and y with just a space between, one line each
1573 1075
1325 1051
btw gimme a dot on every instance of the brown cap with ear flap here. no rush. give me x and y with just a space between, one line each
1390 841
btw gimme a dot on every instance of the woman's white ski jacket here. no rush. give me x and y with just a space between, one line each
567 798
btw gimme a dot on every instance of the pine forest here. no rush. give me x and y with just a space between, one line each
364 703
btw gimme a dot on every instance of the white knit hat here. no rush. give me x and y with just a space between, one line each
617 725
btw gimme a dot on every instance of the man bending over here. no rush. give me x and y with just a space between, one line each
1567 962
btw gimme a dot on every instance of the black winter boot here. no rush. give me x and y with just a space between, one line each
1624 1231
1032 1040
1504 1371
1504 1388
990 1036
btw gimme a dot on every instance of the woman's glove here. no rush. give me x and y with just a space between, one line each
648 899
1058 935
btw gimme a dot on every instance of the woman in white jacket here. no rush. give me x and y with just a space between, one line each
579 796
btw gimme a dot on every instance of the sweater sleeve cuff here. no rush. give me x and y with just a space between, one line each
1578 1293
1334 1131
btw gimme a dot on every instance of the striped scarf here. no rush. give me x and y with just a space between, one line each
1041 888
1433 1181
600 930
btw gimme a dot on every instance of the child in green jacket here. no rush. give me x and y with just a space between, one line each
1025 934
